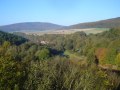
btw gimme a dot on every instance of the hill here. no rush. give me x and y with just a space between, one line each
41 26
13 39
29 26
109 23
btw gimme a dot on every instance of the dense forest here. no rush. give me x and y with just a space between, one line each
13 39
60 62
105 46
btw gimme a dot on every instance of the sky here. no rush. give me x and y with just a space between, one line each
62 12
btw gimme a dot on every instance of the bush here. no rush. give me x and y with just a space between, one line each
43 54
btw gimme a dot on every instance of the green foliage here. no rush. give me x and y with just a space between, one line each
86 45
61 74
117 60
13 39
43 54
12 72
34 67
20 70
6 44
69 45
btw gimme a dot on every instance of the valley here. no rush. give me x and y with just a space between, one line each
59 44
53 58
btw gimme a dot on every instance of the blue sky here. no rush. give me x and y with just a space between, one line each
63 12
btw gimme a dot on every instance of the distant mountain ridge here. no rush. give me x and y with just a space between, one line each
40 26
108 23
29 26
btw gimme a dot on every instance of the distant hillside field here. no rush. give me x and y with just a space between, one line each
68 31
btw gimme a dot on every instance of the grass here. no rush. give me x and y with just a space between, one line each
76 58
73 55
68 31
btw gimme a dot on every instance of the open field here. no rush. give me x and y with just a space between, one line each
67 31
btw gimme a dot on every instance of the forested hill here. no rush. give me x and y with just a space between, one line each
29 26
13 39
109 23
